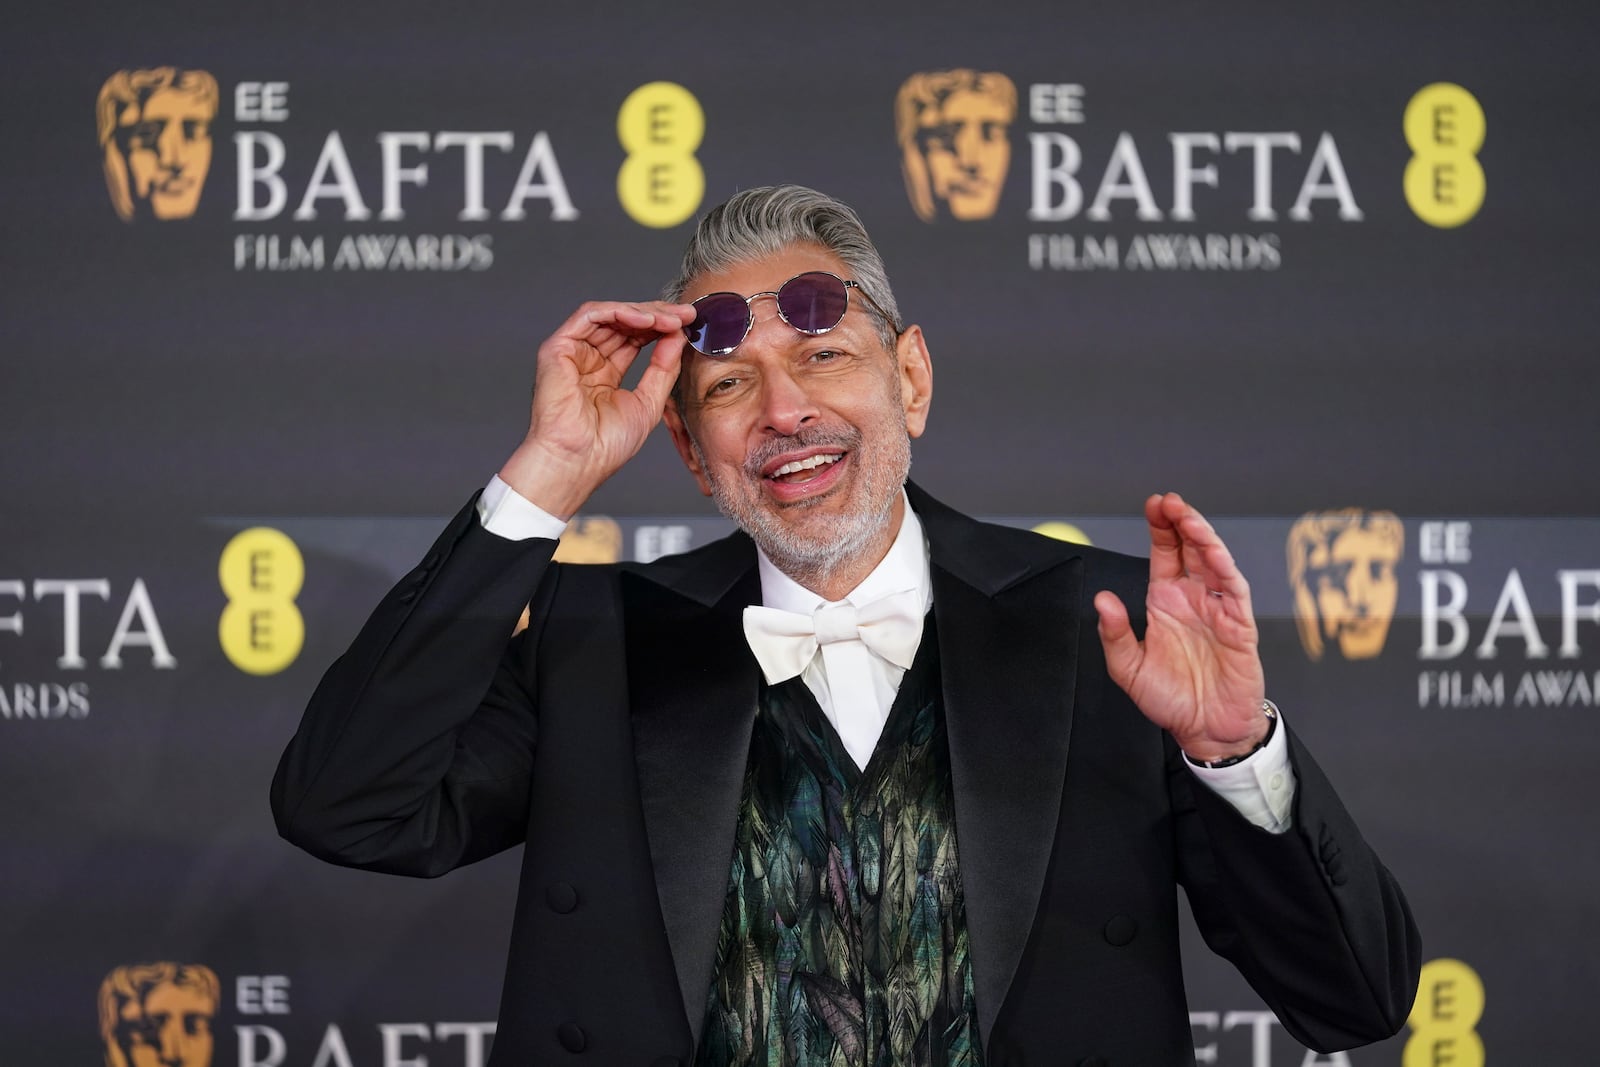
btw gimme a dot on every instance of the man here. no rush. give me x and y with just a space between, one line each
155 136
158 1015
857 784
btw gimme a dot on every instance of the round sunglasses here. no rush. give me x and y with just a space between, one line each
812 303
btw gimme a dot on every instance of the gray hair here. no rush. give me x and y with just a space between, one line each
765 221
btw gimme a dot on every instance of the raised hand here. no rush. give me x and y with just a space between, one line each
1197 673
584 426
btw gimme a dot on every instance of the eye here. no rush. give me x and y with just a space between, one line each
826 355
721 386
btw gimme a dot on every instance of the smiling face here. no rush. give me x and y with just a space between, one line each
804 441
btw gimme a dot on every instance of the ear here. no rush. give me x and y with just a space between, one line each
916 378
680 440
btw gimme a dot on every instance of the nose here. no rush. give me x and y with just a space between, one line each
1359 591
969 145
786 403
169 146
172 1044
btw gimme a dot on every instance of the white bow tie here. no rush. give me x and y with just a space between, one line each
784 642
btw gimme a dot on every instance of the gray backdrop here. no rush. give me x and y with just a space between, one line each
165 387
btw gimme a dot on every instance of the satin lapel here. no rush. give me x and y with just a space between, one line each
692 687
1008 658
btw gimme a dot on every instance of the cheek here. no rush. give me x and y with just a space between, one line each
718 442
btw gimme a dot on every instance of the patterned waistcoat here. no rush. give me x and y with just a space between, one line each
844 933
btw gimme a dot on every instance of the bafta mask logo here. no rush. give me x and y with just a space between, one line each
155 137
590 539
158 1015
1342 572
952 126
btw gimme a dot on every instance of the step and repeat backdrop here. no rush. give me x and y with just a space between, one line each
274 278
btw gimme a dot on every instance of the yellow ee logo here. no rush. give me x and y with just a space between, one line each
261 630
1063 531
1445 1016
1444 181
661 182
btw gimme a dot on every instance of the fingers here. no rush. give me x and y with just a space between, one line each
616 331
1124 654
642 319
1166 547
655 384
1183 544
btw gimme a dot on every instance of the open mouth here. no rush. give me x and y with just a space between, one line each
805 475
804 470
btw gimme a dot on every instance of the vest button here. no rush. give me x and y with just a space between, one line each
561 897
572 1037
1120 929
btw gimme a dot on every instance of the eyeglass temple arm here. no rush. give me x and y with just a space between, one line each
890 319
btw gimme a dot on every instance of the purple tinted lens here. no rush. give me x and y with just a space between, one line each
720 322
813 302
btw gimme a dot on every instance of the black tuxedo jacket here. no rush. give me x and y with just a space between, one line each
610 739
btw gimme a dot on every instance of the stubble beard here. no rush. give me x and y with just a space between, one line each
813 554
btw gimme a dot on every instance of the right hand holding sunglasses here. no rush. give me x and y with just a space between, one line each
584 425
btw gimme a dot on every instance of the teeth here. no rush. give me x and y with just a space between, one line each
806 464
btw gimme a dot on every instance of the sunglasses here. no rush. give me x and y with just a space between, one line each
812 303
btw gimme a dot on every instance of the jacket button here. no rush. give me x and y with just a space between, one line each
572 1037
1119 930
666 1061
561 897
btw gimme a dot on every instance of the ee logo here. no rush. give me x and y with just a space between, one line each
661 182
1444 181
261 571
1063 531
1445 1016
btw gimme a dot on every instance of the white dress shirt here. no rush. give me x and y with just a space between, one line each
849 667
1261 787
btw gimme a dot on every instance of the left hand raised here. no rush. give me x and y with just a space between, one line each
1197 673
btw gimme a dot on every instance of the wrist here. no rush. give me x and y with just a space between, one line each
552 482
1214 755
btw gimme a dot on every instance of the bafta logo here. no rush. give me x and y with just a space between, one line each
158 1015
1342 573
587 539
155 136
952 126
590 539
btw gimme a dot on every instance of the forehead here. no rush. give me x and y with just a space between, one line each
766 274
174 998
169 102
970 104
1355 542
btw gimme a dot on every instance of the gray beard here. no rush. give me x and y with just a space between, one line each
811 560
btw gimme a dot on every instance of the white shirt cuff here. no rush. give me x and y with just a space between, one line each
1260 787
506 513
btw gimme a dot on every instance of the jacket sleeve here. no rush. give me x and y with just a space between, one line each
1311 917
414 754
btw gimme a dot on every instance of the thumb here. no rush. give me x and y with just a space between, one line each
1124 654
666 361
